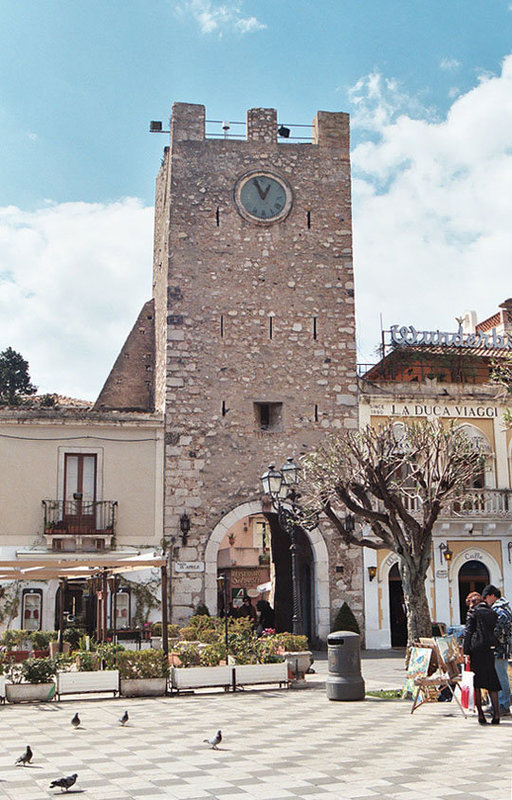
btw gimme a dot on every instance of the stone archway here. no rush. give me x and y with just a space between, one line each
320 561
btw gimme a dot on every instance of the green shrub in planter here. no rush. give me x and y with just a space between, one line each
73 635
86 660
345 620
202 611
143 664
109 652
289 642
5 663
33 670
41 639
211 654
173 631
187 653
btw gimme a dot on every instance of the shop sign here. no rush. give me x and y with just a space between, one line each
438 410
408 335
476 555
189 566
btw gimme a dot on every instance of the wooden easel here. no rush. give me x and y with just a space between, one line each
444 674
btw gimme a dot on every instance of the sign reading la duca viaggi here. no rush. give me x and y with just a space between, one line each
433 410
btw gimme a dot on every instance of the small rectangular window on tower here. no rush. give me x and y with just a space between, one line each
268 416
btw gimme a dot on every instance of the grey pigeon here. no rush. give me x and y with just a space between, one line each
26 758
76 721
124 719
215 740
65 783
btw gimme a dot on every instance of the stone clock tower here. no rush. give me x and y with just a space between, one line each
254 332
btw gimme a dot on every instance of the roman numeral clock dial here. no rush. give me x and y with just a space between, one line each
263 197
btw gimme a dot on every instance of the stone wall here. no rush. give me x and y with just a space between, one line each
250 313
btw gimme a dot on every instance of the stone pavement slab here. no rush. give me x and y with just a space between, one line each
276 744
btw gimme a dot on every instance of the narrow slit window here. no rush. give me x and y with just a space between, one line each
315 331
222 326
224 409
217 217
316 412
309 219
270 328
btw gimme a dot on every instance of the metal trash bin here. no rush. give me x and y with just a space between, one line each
344 681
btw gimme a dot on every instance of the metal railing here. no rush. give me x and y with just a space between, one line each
472 503
79 517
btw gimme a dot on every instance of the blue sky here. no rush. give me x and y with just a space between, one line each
80 82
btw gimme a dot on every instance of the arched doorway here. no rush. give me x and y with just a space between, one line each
397 611
473 576
255 557
318 567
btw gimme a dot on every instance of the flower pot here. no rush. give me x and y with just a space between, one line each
143 687
40 653
18 655
298 664
29 692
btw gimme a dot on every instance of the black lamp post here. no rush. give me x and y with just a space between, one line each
224 580
280 485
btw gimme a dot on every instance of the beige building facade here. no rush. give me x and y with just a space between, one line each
76 484
449 380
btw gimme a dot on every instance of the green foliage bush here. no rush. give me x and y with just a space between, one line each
173 631
345 620
187 653
143 664
87 660
33 670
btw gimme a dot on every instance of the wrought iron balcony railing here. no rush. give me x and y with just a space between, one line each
80 517
473 503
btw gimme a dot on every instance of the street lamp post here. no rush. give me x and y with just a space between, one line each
280 485
224 580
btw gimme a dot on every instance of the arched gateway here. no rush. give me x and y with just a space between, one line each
320 587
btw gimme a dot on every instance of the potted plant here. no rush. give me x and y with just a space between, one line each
143 673
31 680
294 649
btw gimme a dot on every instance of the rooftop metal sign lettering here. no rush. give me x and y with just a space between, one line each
408 335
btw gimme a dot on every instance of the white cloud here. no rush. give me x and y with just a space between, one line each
73 278
218 18
432 208
449 64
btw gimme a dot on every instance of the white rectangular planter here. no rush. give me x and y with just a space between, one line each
106 680
2 687
199 677
143 687
262 673
29 692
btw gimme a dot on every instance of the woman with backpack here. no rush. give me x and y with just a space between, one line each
479 643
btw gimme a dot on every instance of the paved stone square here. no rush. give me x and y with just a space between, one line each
277 744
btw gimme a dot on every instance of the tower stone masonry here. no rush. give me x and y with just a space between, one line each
254 329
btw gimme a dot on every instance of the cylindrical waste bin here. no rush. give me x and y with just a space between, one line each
344 681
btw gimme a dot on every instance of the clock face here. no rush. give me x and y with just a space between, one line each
263 197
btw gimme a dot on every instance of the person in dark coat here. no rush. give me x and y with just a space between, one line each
479 642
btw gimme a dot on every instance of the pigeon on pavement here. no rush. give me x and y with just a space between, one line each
76 721
65 783
26 758
215 740
124 719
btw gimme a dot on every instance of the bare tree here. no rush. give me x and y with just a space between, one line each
396 479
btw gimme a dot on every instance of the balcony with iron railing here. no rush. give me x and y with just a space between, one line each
79 524
481 503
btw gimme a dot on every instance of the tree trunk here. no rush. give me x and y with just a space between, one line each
415 597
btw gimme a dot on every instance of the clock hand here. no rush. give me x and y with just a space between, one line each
264 196
258 187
